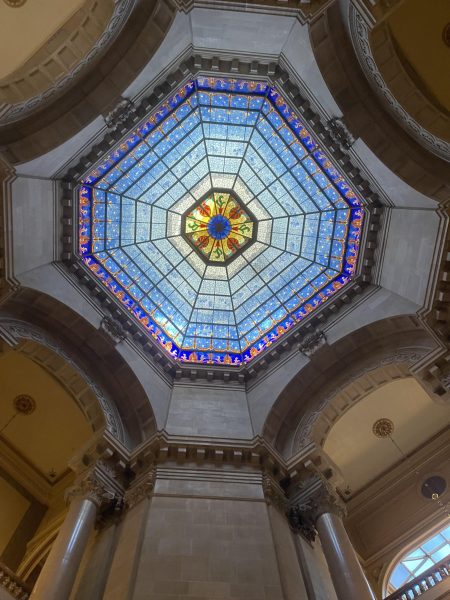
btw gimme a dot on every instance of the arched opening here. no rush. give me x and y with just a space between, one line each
42 425
373 354
355 442
36 317
421 556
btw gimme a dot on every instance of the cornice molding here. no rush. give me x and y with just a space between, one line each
305 11
166 456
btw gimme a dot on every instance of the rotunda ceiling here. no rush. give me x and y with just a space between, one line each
219 223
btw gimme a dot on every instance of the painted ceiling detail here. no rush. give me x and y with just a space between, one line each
219 227
219 223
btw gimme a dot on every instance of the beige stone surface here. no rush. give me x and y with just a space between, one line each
126 555
201 548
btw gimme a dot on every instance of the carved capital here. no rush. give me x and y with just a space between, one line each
301 523
142 489
90 487
318 497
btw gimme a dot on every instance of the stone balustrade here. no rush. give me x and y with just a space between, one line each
426 581
13 584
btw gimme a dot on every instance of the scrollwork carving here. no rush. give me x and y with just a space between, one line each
120 114
142 489
312 342
302 524
318 497
91 487
114 329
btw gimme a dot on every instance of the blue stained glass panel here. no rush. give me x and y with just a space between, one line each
130 227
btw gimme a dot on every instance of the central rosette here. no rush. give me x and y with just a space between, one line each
219 227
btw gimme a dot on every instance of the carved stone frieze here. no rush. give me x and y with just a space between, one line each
141 489
312 342
273 493
340 133
113 328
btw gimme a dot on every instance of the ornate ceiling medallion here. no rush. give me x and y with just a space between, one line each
219 222
383 428
219 227
24 405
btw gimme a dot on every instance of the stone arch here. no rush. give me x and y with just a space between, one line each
61 54
31 316
98 410
364 114
386 348
349 395
93 87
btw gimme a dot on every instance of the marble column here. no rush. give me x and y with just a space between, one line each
324 511
348 577
58 575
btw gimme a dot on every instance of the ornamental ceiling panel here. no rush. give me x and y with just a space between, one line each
219 223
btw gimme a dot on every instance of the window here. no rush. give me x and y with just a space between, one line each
414 563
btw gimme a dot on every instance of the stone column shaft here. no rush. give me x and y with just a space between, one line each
61 567
346 572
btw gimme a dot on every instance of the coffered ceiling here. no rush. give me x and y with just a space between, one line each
20 37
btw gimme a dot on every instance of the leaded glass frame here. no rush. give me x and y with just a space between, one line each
321 172
249 221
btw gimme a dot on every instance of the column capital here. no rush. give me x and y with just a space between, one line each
96 485
317 498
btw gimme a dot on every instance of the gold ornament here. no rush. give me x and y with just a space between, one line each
24 404
383 428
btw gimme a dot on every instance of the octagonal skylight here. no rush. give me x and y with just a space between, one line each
235 137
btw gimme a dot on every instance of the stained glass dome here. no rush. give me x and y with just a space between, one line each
301 221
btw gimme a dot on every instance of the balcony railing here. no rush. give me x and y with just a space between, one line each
427 580
13 584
